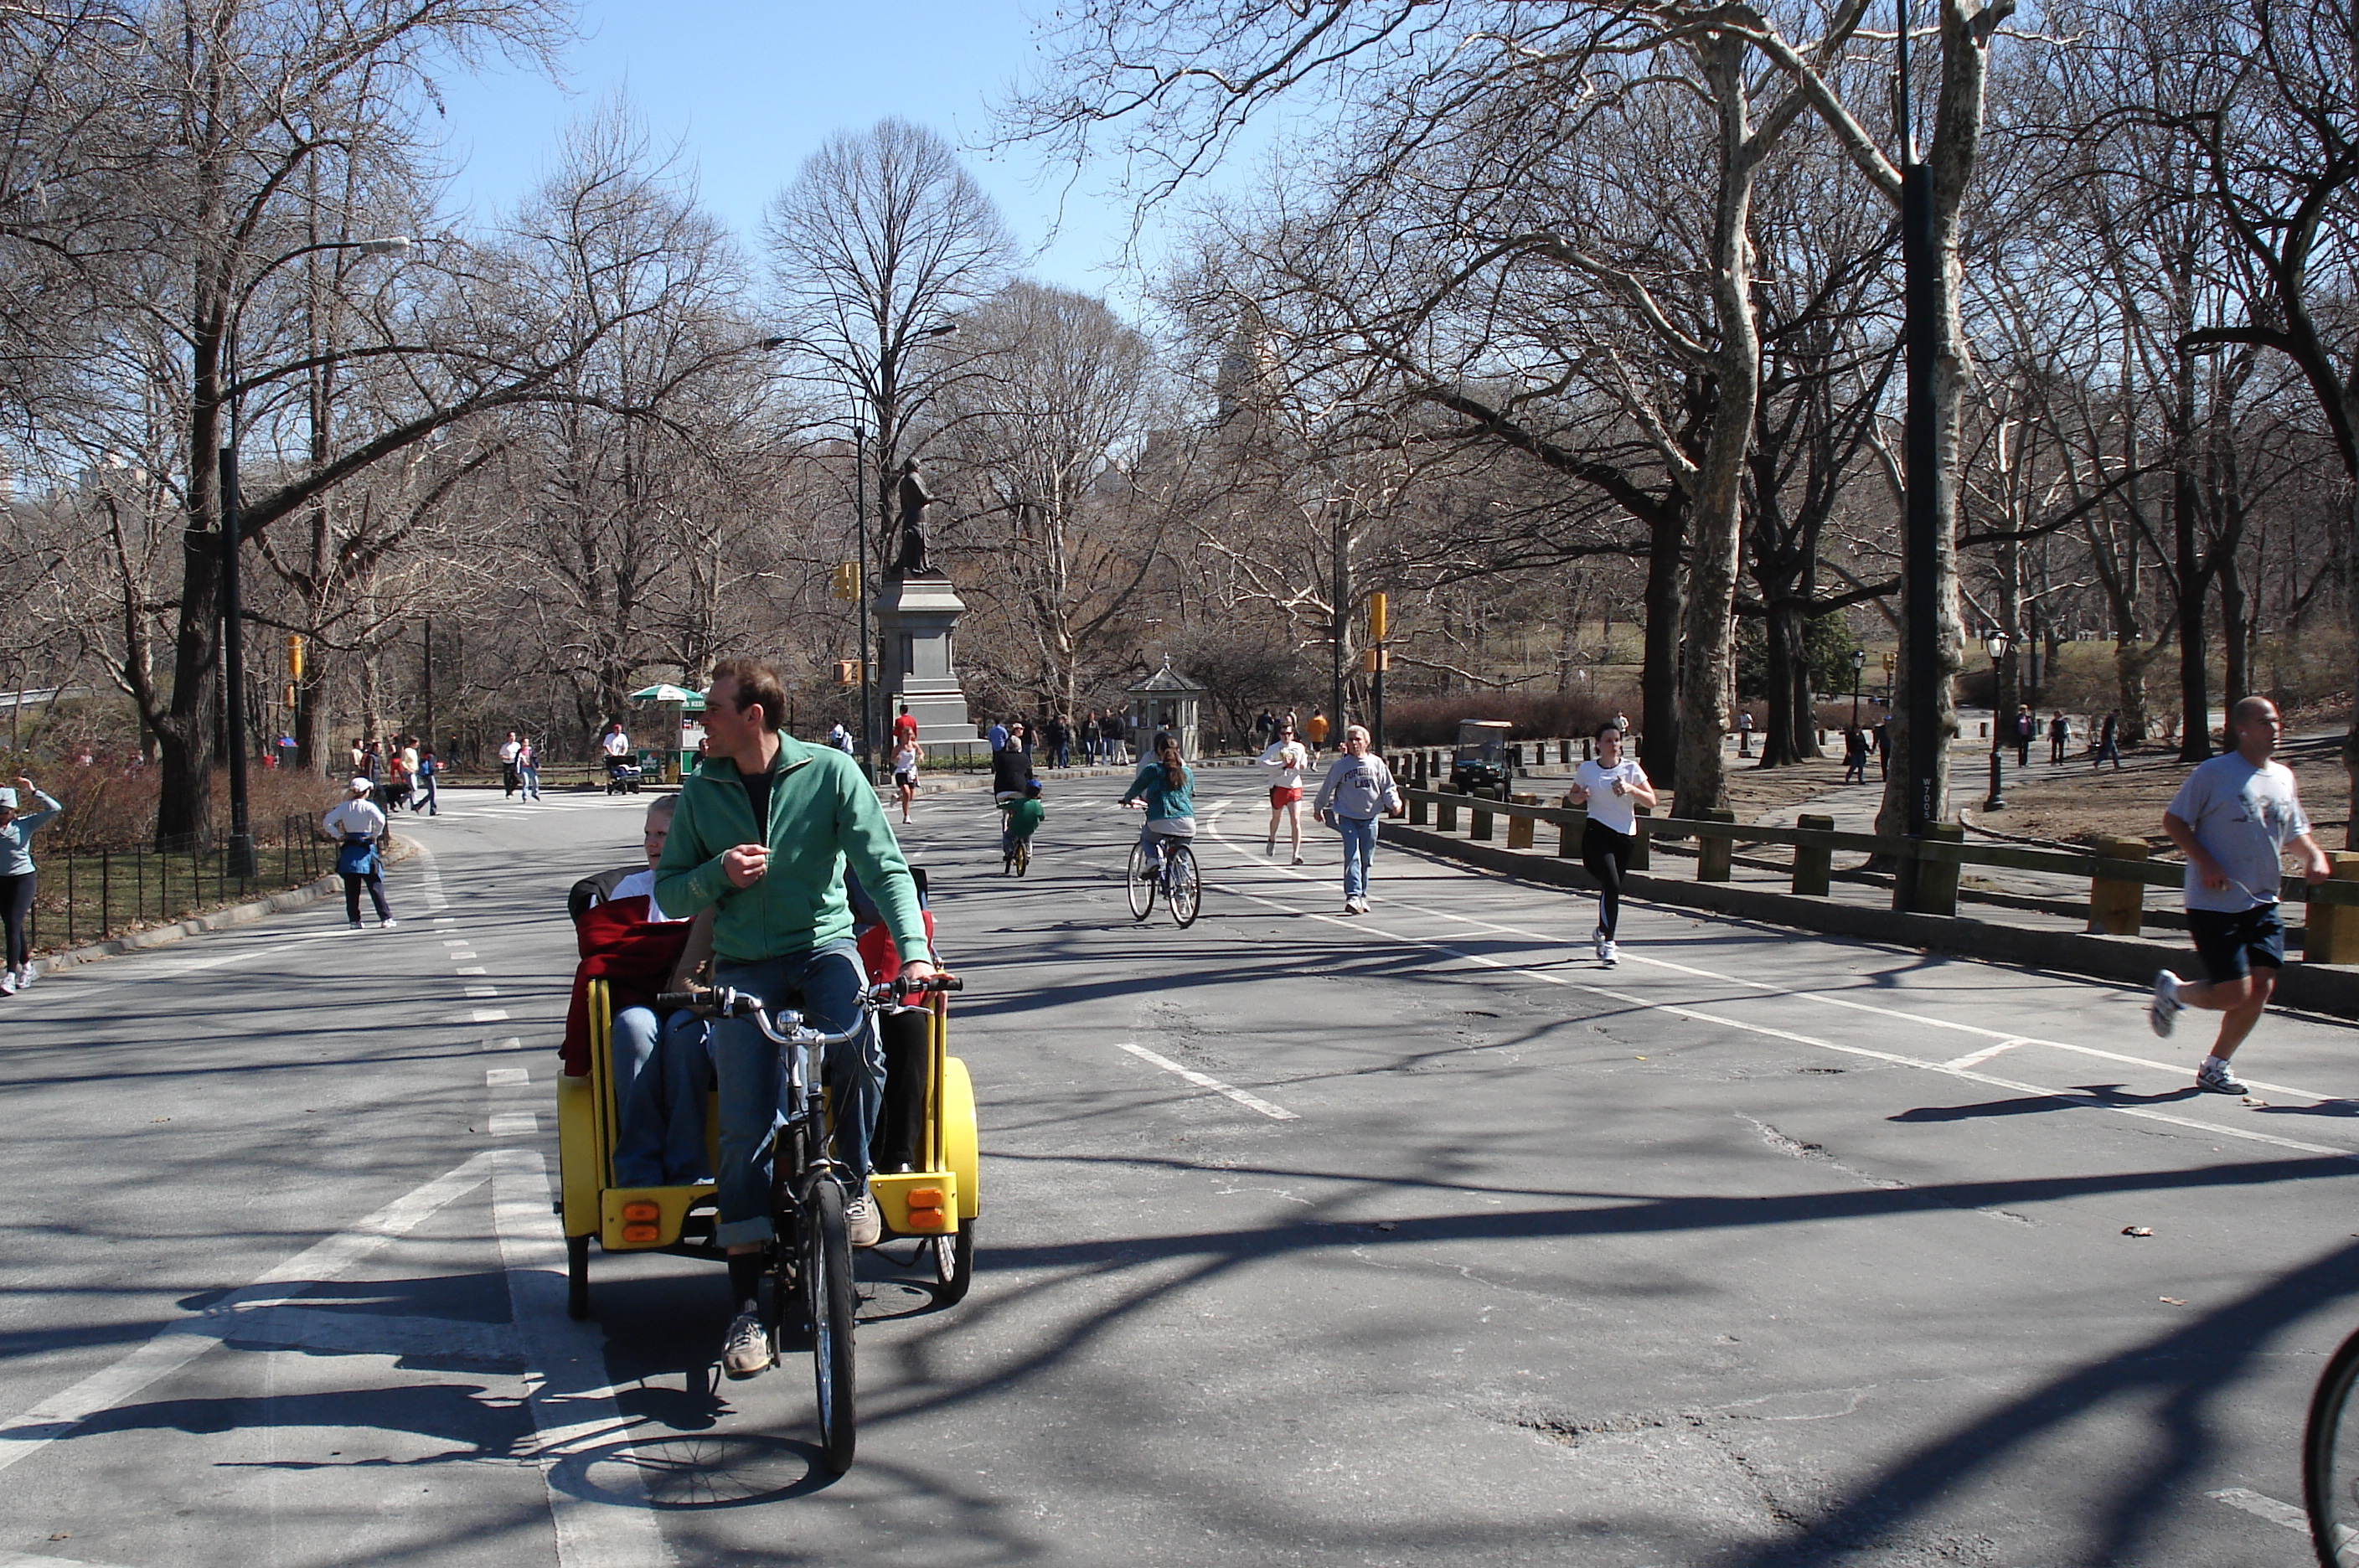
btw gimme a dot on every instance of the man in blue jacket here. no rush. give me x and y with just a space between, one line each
763 831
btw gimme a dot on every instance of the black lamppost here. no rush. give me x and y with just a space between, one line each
1858 668
1997 643
240 860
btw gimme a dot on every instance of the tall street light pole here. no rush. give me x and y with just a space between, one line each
240 859
1921 607
860 530
1858 668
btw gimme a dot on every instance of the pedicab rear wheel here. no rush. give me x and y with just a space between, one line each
577 1277
833 1302
953 1259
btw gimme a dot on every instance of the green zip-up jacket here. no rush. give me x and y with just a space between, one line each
821 813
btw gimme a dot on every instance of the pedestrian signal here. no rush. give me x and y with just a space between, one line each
1373 659
295 656
847 672
845 582
1375 617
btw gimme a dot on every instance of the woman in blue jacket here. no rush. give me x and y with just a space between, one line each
19 822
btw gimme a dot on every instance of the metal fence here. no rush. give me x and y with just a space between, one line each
90 894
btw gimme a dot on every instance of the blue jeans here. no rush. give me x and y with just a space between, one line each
824 984
1359 849
661 1076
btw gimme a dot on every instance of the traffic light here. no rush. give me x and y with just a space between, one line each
1375 617
295 656
1373 659
290 703
845 582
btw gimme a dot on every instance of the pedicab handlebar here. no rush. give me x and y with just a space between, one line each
726 1002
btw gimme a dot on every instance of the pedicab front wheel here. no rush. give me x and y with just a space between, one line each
953 1264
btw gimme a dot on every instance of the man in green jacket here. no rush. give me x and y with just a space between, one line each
762 830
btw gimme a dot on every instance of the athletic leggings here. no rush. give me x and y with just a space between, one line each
1607 853
16 913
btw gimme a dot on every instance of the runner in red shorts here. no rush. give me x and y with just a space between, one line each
1290 758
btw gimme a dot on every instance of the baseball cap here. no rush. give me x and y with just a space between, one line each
9 797
360 787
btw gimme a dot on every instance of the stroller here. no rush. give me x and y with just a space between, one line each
623 775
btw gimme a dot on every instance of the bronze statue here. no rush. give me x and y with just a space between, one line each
914 499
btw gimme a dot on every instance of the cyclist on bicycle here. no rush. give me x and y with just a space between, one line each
1019 819
1167 788
763 831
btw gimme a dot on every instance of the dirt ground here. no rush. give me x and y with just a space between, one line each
2075 805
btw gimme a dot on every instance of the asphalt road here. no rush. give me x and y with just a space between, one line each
1761 1249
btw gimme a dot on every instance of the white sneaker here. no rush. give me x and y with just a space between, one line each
1612 956
387 925
2164 1010
26 977
747 1351
1597 940
861 1222
1297 861
8 983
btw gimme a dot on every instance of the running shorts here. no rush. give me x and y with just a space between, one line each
1280 795
2232 942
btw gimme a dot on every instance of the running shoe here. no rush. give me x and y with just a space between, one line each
1599 940
860 1220
747 1353
8 983
2214 1078
387 925
1297 861
2164 1010
1270 848
1612 956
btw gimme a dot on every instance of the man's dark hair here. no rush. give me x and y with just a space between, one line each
757 683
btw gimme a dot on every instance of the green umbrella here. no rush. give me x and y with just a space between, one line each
690 702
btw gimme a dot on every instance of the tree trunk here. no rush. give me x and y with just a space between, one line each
2194 677
1658 724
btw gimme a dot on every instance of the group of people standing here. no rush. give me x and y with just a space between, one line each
1099 737
399 772
519 767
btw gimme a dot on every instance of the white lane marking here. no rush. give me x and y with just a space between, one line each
482 990
470 969
2212 1129
490 1015
506 1042
1976 1058
27 1560
459 955
571 1396
2267 1508
1250 1102
179 1342
431 874
515 1123
1824 999
505 1077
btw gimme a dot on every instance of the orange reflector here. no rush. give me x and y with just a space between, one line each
928 1219
641 1233
925 1197
642 1211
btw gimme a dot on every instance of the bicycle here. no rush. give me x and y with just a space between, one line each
1174 872
2329 1462
809 1254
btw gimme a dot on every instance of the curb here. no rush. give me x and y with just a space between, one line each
2310 987
210 920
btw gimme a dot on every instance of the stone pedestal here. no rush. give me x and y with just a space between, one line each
916 617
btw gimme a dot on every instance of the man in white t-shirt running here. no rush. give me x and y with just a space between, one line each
510 776
1289 757
2234 818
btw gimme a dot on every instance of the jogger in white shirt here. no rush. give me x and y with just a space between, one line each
1613 788
1290 758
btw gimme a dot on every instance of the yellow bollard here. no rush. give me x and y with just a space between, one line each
2118 908
2331 932
1519 829
1813 865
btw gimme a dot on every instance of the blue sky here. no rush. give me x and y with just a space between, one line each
749 90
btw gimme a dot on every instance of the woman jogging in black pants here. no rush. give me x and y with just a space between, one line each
20 819
1611 788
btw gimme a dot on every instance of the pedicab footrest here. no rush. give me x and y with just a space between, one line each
633 1218
918 1203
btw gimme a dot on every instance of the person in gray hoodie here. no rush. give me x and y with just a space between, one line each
19 822
1358 790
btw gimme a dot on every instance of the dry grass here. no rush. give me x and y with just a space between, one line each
2075 805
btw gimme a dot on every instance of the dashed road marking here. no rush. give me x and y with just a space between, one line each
2261 1507
1250 1102
515 1123
505 1077
490 1015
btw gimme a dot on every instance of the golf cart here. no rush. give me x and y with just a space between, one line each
1480 763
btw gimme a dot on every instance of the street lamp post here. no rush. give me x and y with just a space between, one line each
240 858
1858 668
1996 644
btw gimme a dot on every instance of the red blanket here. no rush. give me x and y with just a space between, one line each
633 954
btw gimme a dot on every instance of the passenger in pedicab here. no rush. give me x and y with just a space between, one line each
662 1064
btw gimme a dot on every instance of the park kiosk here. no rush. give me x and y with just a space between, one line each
1166 699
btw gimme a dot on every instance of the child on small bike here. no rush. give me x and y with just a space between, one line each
1019 819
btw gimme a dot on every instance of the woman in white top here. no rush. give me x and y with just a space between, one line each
906 758
1290 758
1611 788
356 824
